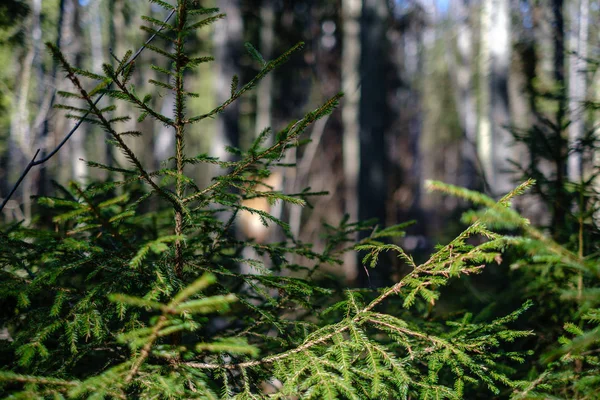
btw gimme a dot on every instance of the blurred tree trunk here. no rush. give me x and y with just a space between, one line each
523 63
351 54
163 143
560 205
264 99
120 32
96 35
164 137
264 93
493 138
500 52
464 76
51 97
484 129
72 48
22 134
228 41
116 24
94 19
372 185
578 41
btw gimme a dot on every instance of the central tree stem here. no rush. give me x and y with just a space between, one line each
179 134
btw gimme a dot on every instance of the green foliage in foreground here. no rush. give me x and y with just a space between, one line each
569 367
118 300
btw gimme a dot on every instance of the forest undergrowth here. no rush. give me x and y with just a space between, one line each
134 288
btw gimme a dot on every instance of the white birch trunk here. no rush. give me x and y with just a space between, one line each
577 42
484 129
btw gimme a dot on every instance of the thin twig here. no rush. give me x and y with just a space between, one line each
35 162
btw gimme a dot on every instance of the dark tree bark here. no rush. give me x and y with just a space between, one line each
372 187
560 150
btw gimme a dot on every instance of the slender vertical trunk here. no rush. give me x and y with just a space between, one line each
96 36
97 42
79 168
351 12
578 37
264 92
179 137
71 37
372 185
264 95
484 129
227 39
164 139
116 38
560 156
466 103
500 55
42 190
21 132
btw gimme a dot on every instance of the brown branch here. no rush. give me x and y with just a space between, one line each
41 380
146 349
179 126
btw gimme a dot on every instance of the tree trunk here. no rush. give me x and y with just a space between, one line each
578 37
164 138
351 13
264 92
372 185
228 40
51 93
484 129
21 132
560 202
97 41
500 52
70 156
464 87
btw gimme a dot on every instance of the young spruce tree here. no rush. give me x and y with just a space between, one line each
560 272
115 301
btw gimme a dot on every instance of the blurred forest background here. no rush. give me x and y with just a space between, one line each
451 90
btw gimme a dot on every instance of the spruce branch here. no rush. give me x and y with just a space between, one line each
362 315
289 134
235 94
140 103
34 162
109 128
7 376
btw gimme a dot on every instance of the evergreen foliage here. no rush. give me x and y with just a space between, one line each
561 272
119 300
